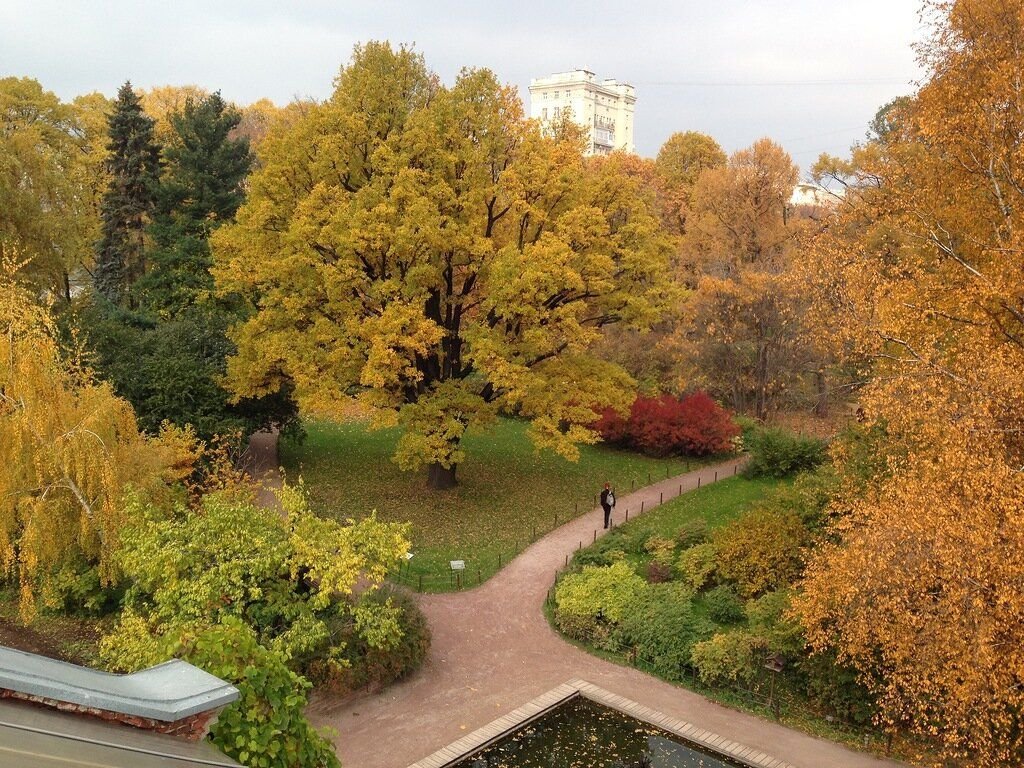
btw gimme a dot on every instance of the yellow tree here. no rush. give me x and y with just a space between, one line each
681 160
429 250
922 273
69 449
48 154
740 334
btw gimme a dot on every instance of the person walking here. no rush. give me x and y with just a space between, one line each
607 503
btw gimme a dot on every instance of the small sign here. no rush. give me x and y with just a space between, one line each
457 565
408 555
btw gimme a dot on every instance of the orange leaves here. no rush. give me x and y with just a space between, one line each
918 281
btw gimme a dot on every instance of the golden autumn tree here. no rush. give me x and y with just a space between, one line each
51 156
740 334
69 450
429 250
921 273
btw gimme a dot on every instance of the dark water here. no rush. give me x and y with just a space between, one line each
582 734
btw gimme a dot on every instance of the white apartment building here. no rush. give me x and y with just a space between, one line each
603 107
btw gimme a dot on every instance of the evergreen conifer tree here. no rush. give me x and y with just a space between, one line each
134 167
200 189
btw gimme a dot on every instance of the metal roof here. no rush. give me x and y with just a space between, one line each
166 692
34 737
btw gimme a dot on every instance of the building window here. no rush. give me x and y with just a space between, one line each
544 113
558 112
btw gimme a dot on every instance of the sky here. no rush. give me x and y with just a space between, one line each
808 73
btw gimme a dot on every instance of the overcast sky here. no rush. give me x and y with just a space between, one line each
808 73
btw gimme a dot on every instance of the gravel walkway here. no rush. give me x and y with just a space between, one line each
493 650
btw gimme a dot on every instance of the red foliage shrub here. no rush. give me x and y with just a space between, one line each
660 426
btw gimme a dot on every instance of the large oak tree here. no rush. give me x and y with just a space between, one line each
429 250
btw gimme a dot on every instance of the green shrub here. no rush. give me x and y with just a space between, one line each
267 726
692 532
729 656
761 550
775 453
837 689
594 596
367 666
605 551
660 624
724 605
696 565
662 550
808 497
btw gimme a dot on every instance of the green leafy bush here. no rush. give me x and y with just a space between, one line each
696 565
775 453
605 551
660 624
724 605
594 596
692 532
729 656
267 726
662 550
761 550
367 666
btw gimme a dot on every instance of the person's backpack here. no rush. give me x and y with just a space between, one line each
611 498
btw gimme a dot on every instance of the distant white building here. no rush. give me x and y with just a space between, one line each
603 107
811 195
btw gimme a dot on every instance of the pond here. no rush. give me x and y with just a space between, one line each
583 734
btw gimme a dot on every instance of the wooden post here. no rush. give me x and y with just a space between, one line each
648 477
698 481
534 531
566 561
716 475
735 469
627 514
631 483
641 506
577 510
499 561
595 534
680 490
661 498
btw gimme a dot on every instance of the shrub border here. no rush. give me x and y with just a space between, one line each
483 737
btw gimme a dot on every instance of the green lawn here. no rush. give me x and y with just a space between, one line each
507 491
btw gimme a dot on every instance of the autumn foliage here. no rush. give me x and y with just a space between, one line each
920 275
694 425
70 448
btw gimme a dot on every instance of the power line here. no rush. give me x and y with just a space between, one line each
766 83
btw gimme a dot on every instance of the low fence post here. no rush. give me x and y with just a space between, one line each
627 514
661 498
716 475
698 481
641 506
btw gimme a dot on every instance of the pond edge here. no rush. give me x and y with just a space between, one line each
483 737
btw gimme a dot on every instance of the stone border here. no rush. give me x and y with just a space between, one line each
516 719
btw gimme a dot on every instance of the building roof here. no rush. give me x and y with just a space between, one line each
167 692
33 737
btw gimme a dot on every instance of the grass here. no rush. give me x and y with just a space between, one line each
508 493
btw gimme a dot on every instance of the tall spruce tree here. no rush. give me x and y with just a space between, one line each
200 189
134 166
164 348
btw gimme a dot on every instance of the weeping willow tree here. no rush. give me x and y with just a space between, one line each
70 449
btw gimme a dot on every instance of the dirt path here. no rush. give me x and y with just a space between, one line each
493 650
264 465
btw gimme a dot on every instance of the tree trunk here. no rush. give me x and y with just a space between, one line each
821 384
440 478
